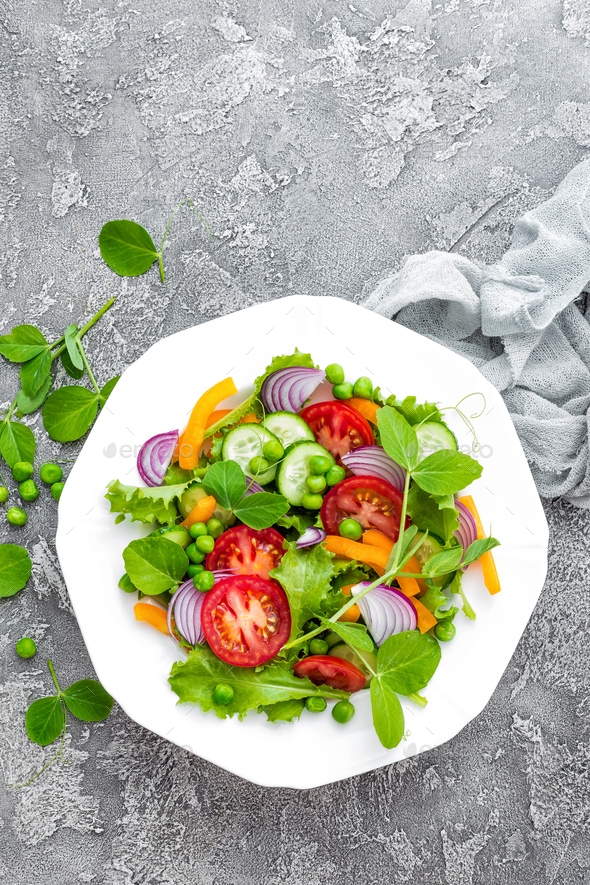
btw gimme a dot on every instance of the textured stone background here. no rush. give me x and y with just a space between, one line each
322 142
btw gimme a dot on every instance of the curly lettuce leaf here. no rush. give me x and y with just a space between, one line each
284 711
252 404
411 410
145 504
435 513
195 679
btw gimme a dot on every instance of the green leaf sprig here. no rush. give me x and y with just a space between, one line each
46 718
225 480
129 250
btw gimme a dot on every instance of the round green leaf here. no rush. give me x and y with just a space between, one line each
69 412
87 700
17 443
70 368
27 404
127 248
155 564
15 569
45 720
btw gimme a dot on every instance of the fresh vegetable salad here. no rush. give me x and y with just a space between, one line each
305 553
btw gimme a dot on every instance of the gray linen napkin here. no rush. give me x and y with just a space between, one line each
516 321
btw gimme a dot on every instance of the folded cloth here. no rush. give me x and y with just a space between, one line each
516 321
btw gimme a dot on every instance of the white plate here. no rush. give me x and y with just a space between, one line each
156 394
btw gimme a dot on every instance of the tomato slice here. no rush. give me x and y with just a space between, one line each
337 427
332 671
247 551
373 502
246 620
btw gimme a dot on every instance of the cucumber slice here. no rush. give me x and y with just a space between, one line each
288 428
294 470
243 443
427 549
433 436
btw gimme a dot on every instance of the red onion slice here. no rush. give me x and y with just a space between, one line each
288 389
311 535
374 461
252 486
386 611
155 456
466 534
185 607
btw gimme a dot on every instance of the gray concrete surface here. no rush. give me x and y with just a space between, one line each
322 142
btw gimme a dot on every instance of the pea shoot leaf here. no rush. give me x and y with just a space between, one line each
17 442
388 716
476 550
445 472
304 575
438 603
225 480
252 403
284 711
195 679
260 510
127 248
443 562
457 587
146 504
88 700
28 404
15 569
126 584
70 368
107 390
407 661
72 347
68 413
45 720
439 517
34 373
155 564
398 438
353 634
23 344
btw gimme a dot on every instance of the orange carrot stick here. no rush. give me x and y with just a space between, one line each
216 416
201 512
426 619
193 436
373 556
153 615
378 539
488 566
367 408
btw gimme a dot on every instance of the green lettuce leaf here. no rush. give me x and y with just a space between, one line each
412 411
195 679
252 404
145 504
284 711
305 576
436 514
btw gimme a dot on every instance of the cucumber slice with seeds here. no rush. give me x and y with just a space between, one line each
433 436
245 442
294 470
288 428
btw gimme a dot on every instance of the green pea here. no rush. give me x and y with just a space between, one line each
342 391
204 581
315 705
3 494
205 543
335 373
316 483
363 387
197 529
215 527
223 694
194 554
22 470
312 502
273 450
351 529
26 647
51 473
335 475
195 568
319 465
258 465
16 516
28 490
56 490
343 712
318 647
445 631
